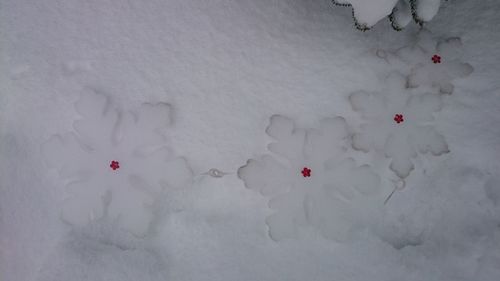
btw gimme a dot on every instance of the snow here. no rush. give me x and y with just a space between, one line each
99 251
221 69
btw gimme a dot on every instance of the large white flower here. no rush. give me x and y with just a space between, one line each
432 63
116 163
311 182
398 123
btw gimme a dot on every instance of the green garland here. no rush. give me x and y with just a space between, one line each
392 18
416 18
360 26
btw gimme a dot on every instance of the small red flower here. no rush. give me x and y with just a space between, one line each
306 172
114 165
398 118
436 59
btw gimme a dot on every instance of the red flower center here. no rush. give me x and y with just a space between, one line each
306 172
114 165
436 59
398 118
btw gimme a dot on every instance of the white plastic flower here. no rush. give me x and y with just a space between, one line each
115 159
311 182
398 123
434 63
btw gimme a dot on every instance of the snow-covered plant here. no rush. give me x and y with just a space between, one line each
398 123
311 182
366 13
116 163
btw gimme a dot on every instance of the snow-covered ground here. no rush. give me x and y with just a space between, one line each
310 124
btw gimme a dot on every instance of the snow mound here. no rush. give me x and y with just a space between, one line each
310 182
399 123
117 159
433 63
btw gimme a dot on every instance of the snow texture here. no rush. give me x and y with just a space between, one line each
424 72
337 198
400 141
101 251
136 140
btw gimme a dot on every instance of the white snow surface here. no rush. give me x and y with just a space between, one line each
224 68
368 12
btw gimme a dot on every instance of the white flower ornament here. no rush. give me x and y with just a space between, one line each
118 157
433 63
311 182
398 123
